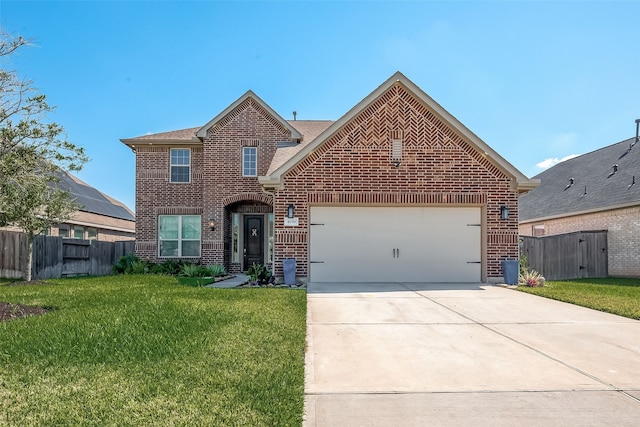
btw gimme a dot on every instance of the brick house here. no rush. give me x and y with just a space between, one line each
594 191
397 189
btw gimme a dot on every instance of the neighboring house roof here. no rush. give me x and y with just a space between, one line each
595 186
94 201
275 173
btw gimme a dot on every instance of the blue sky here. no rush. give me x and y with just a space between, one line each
536 80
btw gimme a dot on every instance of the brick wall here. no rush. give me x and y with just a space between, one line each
217 186
623 237
155 195
439 168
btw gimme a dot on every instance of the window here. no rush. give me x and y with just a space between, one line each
270 234
179 235
92 234
249 161
180 165
235 221
538 230
63 231
78 232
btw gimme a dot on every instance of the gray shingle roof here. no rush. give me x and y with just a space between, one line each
94 201
592 171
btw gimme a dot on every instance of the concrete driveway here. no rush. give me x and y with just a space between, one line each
445 355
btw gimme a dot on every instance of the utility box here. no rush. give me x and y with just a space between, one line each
289 268
510 271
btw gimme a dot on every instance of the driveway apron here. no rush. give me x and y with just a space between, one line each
449 354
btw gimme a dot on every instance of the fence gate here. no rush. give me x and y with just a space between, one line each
57 257
578 255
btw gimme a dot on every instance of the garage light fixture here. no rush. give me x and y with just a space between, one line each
290 211
212 224
504 212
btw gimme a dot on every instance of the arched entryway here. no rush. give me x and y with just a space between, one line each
249 233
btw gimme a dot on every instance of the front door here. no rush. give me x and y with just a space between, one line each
253 240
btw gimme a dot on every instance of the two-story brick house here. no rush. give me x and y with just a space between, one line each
395 190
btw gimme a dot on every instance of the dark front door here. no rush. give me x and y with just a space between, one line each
253 240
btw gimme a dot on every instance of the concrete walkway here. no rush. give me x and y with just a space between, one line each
451 355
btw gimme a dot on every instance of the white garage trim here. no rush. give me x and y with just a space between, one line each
395 244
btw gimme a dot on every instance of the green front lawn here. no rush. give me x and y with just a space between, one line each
617 296
144 350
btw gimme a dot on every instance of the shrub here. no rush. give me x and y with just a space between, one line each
124 263
156 268
138 267
531 278
191 270
216 270
171 266
259 273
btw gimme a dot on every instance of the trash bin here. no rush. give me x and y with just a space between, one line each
510 270
289 268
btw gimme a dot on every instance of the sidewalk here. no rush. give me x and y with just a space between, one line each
232 282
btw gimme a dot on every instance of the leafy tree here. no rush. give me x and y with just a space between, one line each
33 154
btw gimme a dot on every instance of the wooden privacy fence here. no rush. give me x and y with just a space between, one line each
13 258
578 255
55 257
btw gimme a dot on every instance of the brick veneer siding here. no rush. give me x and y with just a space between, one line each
155 195
217 186
623 237
439 168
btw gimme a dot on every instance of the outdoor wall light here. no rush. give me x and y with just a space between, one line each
290 211
212 224
504 212
396 163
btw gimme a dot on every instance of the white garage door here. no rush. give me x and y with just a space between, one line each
395 244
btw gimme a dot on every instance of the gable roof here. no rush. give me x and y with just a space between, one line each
593 171
275 174
92 200
202 132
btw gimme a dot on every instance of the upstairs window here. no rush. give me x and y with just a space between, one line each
180 165
249 161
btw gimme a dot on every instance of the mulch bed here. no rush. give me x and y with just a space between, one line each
9 311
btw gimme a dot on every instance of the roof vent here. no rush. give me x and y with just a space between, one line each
571 181
613 172
633 182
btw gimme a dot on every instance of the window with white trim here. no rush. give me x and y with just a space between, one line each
179 235
249 161
180 165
